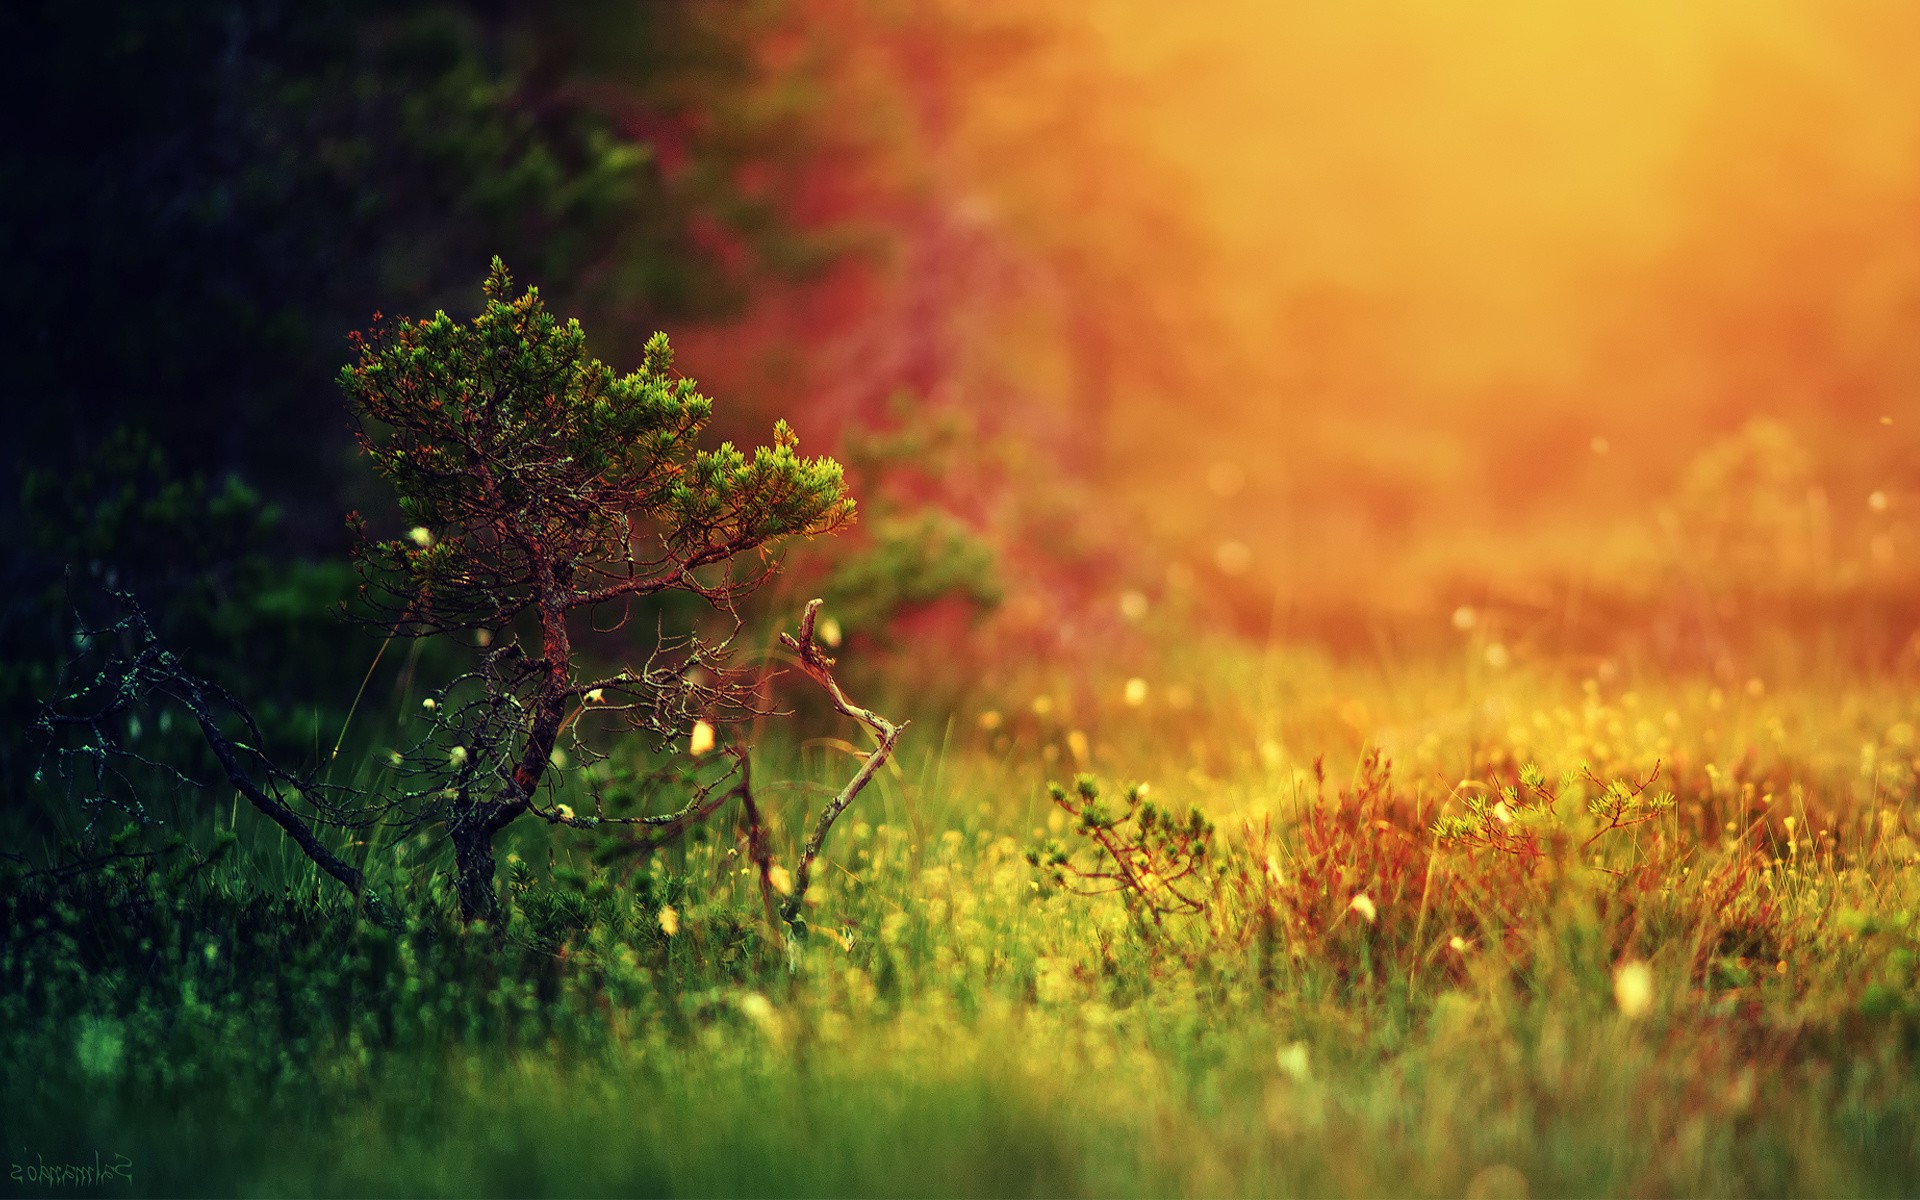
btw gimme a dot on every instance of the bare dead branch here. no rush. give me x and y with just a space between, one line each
149 671
819 668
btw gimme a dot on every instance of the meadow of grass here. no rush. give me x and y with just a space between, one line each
1715 998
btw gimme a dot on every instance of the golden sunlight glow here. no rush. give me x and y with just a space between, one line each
1491 295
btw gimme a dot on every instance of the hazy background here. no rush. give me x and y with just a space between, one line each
1402 306
1317 322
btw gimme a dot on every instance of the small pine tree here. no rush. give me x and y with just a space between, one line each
536 484
539 483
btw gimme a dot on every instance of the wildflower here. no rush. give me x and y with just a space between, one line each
1633 989
1293 1062
1457 944
1136 692
421 535
457 756
1363 904
759 1010
781 879
701 740
829 633
669 920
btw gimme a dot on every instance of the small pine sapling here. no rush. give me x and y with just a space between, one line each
542 486
538 488
1153 859
1518 820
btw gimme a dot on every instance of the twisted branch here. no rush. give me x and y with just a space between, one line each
151 670
819 668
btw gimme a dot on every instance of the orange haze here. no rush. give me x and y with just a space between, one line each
1387 298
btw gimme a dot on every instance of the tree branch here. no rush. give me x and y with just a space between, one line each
151 668
819 668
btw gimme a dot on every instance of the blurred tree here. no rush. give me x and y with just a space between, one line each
1016 270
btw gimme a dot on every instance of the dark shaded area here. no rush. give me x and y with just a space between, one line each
208 196
204 198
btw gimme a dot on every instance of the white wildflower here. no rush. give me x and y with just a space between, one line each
1633 989
701 740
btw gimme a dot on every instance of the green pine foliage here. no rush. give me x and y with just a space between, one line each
538 472
543 483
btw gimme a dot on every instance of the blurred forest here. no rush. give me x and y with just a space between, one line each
1294 321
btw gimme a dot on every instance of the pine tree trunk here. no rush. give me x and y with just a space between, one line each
472 835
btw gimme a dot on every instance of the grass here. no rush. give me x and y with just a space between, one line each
958 1025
